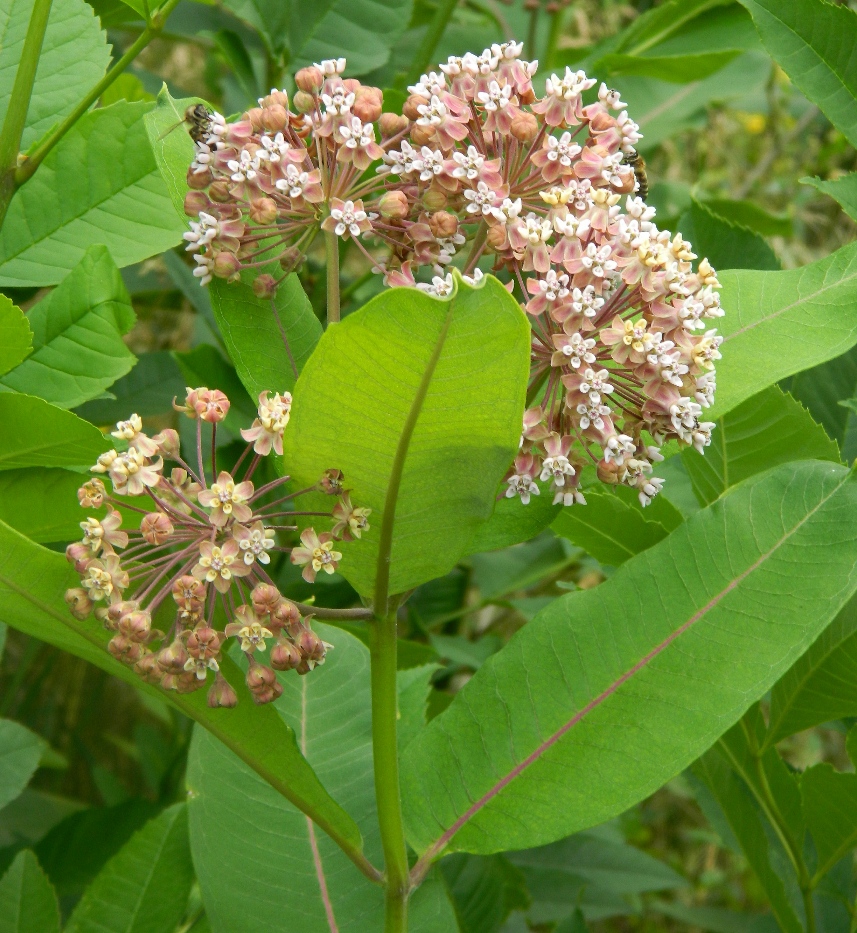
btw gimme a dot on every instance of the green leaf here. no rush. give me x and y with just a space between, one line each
363 31
454 374
779 323
830 807
41 503
205 365
716 919
99 185
171 144
267 355
812 41
28 903
745 820
74 56
16 338
596 870
613 527
485 890
769 429
751 215
32 583
414 685
820 686
675 68
512 522
843 190
144 888
663 109
663 23
270 18
36 433
725 244
649 667
77 335
20 753
149 389
126 87
820 391
277 856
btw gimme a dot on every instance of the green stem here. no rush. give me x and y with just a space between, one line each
425 53
331 244
19 102
383 646
35 158
532 32
557 22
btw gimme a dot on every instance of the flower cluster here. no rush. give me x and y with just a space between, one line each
203 545
478 166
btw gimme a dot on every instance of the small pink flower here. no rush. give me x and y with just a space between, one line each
316 555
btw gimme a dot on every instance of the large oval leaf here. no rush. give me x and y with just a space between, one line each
454 373
610 692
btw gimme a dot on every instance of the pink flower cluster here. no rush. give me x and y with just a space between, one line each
206 546
480 171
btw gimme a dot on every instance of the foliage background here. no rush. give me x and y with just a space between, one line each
730 143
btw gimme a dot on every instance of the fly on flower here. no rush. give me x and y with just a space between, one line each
203 543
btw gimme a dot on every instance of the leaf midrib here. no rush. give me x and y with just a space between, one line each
435 848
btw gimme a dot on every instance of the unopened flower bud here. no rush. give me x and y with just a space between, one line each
188 682
254 117
525 127
608 472
203 642
265 598
496 238
78 554
434 199
196 201
135 626
443 224
410 108
275 119
309 79
331 482
168 442
172 658
393 204
221 694
262 683
78 602
291 258
276 99
199 181
368 103
304 102
311 646
91 494
156 528
147 668
286 616
422 135
265 286
226 265
219 192
263 210
285 656
392 123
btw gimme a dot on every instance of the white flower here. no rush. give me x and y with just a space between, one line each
595 385
201 232
401 163
572 226
475 277
440 286
568 496
275 148
348 219
586 302
429 85
204 270
294 182
556 468
432 163
521 484
245 168
553 286
701 435
338 103
630 131
468 164
496 97
480 201
684 415
618 448
592 414
202 157
357 135
610 98
562 150
331 66
571 85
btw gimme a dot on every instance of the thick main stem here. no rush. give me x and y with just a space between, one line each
331 243
19 102
386 758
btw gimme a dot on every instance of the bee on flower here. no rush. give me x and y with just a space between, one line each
199 552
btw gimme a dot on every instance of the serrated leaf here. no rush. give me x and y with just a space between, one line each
830 808
100 185
20 753
779 323
171 145
769 429
820 686
843 190
266 357
16 338
451 372
822 388
77 336
813 42
41 503
649 667
363 31
74 56
613 529
144 888
28 903
32 583
277 855
725 244
36 433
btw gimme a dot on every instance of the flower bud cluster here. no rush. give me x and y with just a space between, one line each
203 544
479 165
